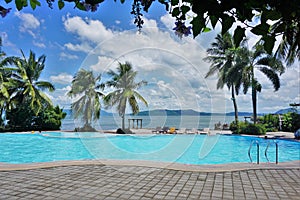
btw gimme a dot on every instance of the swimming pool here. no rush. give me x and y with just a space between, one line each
187 149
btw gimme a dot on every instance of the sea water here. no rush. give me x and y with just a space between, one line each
182 121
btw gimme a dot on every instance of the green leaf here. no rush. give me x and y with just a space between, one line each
8 1
279 28
213 20
206 29
238 36
175 12
61 4
184 9
174 2
261 29
269 42
19 4
80 6
198 23
34 3
270 14
227 22
122 1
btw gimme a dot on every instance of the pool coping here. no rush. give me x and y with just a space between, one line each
161 165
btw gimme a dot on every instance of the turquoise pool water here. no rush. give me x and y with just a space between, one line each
188 149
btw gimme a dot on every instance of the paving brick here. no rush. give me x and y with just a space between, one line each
129 182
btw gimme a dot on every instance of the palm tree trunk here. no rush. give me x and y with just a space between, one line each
123 122
234 105
254 93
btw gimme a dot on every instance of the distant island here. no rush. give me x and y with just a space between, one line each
189 112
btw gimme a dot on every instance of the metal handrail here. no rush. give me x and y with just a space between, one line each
249 154
249 151
276 152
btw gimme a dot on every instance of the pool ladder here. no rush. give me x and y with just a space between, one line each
266 151
276 152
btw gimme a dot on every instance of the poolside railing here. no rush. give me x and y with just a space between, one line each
266 151
276 151
249 151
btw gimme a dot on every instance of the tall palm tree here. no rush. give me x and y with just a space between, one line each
125 90
25 80
269 65
86 86
222 55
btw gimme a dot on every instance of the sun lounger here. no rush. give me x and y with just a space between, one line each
172 130
205 131
181 131
193 131
157 129
164 129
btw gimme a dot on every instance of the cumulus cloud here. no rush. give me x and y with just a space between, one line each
28 24
173 67
87 29
62 78
39 44
67 56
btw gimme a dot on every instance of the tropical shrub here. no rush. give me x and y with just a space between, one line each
291 122
85 128
50 118
23 118
247 128
270 121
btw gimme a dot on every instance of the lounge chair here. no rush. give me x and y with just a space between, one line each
157 129
172 130
205 131
181 131
164 129
193 131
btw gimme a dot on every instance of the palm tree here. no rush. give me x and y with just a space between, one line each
269 65
86 86
289 48
222 55
25 84
125 90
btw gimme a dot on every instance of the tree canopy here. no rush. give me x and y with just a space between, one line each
274 18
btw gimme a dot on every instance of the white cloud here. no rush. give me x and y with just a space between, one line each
39 44
29 23
87 29
173 67
67 56
62 78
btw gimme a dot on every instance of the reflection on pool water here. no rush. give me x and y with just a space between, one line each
188 149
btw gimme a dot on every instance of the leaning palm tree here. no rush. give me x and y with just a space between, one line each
222 56
25 84
125 90
269 65
85 87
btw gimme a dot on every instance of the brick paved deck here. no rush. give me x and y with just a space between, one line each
133 182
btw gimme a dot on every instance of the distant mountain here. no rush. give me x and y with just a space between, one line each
287 110
162 112
102 113
242 114
189 112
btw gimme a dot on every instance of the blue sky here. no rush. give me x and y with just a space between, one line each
173 67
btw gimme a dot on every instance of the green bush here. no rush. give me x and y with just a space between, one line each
291 122
23 118
85 128
247 128
270 121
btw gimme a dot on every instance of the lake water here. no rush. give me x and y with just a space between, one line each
189 122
